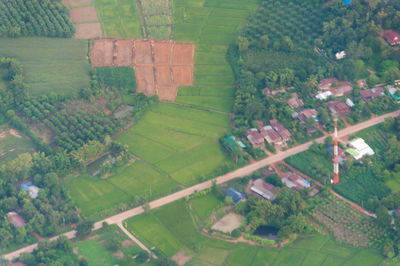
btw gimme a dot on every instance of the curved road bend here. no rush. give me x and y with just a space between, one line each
246 170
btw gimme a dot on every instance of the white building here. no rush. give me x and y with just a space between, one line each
340 55
322 96
359 149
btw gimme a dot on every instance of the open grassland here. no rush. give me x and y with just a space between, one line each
128 185
213 25
180 141
11 145
119 18
93 248
171 229
50 65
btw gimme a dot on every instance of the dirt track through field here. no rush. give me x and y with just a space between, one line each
161 66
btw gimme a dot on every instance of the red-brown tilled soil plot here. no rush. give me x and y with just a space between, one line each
160 66
84 14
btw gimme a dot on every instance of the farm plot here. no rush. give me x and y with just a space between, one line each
85 18
157 18
94 248
213 26
128 185
160 66
50 65
171 229
119 18
179 141
204 206
348 224
12 143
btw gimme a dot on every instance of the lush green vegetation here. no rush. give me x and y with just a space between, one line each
11 145
212 25
50 65
98 249
35 18
171 228
205 205
180 141
126 187
118 77
119 18
157 18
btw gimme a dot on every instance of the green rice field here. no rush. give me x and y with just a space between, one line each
180 141
171 229
50 64
212 25
98 197
119 18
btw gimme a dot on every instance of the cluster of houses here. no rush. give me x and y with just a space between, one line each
275 134
268 191
14 218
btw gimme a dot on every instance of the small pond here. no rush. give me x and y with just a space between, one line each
267 231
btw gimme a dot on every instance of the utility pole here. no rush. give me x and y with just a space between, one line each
336 157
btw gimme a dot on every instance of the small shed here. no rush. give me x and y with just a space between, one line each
233 142
235 194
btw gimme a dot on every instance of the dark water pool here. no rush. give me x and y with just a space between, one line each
267 231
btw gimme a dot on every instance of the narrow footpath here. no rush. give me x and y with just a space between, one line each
244 171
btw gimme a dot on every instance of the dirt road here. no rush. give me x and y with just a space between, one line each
244 171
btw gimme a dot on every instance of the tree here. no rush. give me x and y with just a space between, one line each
243 44
113 244
264 41
142 256
383 217
84 228
397 225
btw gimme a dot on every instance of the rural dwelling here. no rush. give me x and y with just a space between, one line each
282 131
16 220
255 138
343 88
295 102
264 189
349 103
233 142
340 55
271 136
392 37
338 108
303 115
326 84
32 190
395 213
295 181
368 95
358 149
392 91
322 96
235 195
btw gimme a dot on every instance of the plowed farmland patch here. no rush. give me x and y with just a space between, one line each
160 66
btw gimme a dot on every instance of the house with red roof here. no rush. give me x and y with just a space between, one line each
368 95
255 138
326 84
338 108
392 37
282 131
271 136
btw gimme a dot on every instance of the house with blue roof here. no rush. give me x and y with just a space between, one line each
236 195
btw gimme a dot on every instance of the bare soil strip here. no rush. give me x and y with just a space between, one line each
160 66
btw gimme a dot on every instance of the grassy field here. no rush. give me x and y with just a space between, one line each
204 206
96 197
180 141
93 249
171 229
119 18
212 26
50 64
11 145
